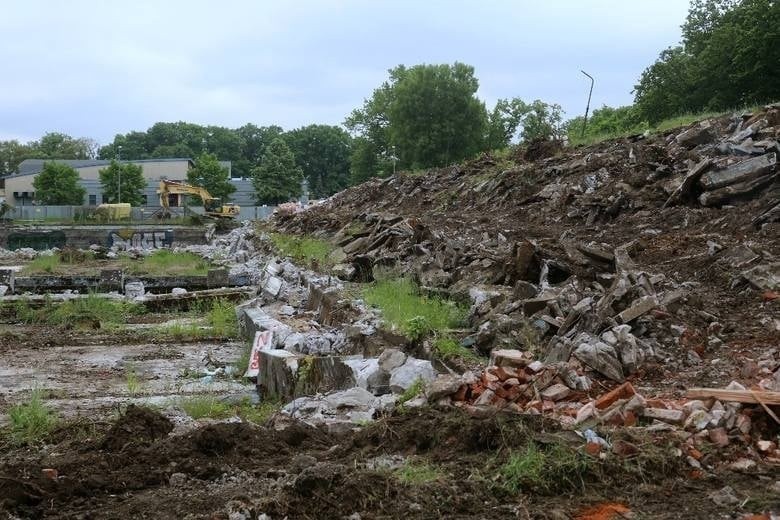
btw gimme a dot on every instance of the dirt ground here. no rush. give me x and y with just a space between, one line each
133 469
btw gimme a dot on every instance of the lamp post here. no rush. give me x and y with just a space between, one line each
587 107
119 172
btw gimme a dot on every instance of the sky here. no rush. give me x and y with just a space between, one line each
98 68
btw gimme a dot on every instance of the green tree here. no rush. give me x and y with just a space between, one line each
323 153
123 182
208 173
58 185
277 178
542 121
503 122
12 153
728 58
55 145
607 121
428 115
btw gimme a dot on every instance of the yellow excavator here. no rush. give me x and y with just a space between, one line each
212 205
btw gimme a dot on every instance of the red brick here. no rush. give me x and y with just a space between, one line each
460 395
623 391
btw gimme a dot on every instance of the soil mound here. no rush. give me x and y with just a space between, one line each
137 426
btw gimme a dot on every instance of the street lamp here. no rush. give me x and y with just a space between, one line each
119 166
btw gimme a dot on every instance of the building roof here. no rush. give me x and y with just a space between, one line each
35 166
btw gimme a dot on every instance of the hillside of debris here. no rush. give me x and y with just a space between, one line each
676 234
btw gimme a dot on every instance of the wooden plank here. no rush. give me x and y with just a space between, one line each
740 396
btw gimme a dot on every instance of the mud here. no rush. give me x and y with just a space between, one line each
134 470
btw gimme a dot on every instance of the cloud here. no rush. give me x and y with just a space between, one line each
94 69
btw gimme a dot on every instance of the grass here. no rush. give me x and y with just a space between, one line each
43 264
302 249
242 363
221 317
415 473
410 393
663 126
414 314
220 322
448 348
133 383
31 420
210 407
88 311
544 470
167 263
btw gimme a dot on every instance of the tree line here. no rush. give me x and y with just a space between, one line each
429 115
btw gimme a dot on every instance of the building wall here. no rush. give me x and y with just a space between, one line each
152 171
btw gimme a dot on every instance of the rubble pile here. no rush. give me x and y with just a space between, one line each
651 259
651 249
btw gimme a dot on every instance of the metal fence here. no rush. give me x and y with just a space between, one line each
85 214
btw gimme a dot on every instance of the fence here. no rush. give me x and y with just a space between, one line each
85 214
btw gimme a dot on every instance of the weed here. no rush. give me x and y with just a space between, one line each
206 406
304 249
43 264
132 381
31 420
554 468
222 319
416 315
167 262
448 348
211 407
242 363
412 473
92 309
410 393
182 331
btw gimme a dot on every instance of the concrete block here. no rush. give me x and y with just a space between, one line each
217 278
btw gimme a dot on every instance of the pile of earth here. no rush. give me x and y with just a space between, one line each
134 469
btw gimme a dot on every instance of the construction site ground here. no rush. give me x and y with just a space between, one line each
637 211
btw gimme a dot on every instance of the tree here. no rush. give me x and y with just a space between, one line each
208 173
58 185
123 182
542 121
253 141
728 58
12 153
503 122
428 115
55 145
277 178
606 121
323 153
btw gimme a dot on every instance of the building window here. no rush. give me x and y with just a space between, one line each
104 198
145 199
93 200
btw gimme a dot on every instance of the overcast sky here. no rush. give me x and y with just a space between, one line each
98 68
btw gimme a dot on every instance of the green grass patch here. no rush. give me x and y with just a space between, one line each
448 348
302 249
410 393
79 312
222 319
412 313
549 469
31 420
210 407
43 264
167 263
132 381
184 330
415 473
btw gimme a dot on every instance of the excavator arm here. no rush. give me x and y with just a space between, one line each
211 204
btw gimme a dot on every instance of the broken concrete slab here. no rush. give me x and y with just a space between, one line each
741 189
508 358
690 180
409 373
739 172
764 277
639 307
272 286
285 375
665 415
701 133
602 358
